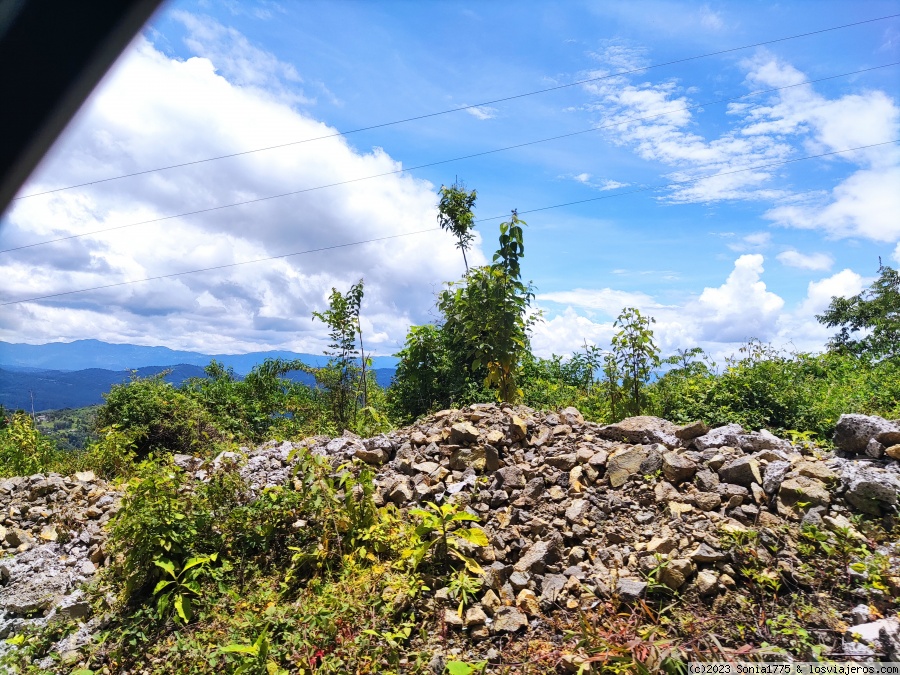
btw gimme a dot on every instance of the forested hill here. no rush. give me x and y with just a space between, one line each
85 354
57 389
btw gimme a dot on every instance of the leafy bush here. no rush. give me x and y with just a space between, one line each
25 451
158 416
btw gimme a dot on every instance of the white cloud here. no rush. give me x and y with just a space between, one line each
741 308
152 110
806 261
602 185
710 19
867 204
819 294
238 60
720 319
752 241
607 300
482 112
787 124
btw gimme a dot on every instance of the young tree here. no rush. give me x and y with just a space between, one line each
342 377
869 321
455 215
635 354
487 313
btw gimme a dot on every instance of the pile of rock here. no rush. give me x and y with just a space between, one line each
575 511
52 532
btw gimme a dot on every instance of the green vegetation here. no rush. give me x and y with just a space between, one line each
875 313
70 428
455 215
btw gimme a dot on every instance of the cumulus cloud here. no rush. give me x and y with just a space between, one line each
806 261
741 308
719 319
237 59
153 110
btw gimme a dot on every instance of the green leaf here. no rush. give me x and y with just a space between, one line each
459 668
465 515
198 560
474 535
167 565
252 650
183 607
161 585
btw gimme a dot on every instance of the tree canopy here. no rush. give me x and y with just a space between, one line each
869 321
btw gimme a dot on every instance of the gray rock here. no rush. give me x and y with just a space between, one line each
577 510
874 449
757 441
774 475
704 553
706 480
707 582
871 633
571 416
868 489
552 589
643 429
537 557
718 437
631 589
691 431
508 620
742 471
510 478
677 468
853 432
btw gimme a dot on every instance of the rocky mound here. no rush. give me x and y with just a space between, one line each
51 542
574 512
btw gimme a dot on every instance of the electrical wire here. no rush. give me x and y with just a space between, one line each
439 162
407 234
459 109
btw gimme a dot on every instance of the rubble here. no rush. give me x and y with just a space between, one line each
572 510
51 542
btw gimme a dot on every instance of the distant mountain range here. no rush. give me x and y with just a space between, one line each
77 374
82 354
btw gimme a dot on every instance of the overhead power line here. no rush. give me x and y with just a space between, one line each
220 267
433 229
461 108
439 162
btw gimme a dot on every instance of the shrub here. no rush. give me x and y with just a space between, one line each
24 450
157 416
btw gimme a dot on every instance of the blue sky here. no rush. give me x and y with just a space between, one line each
717 260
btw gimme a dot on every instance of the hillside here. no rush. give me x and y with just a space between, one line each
56 389
85 354
59 389
570 547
